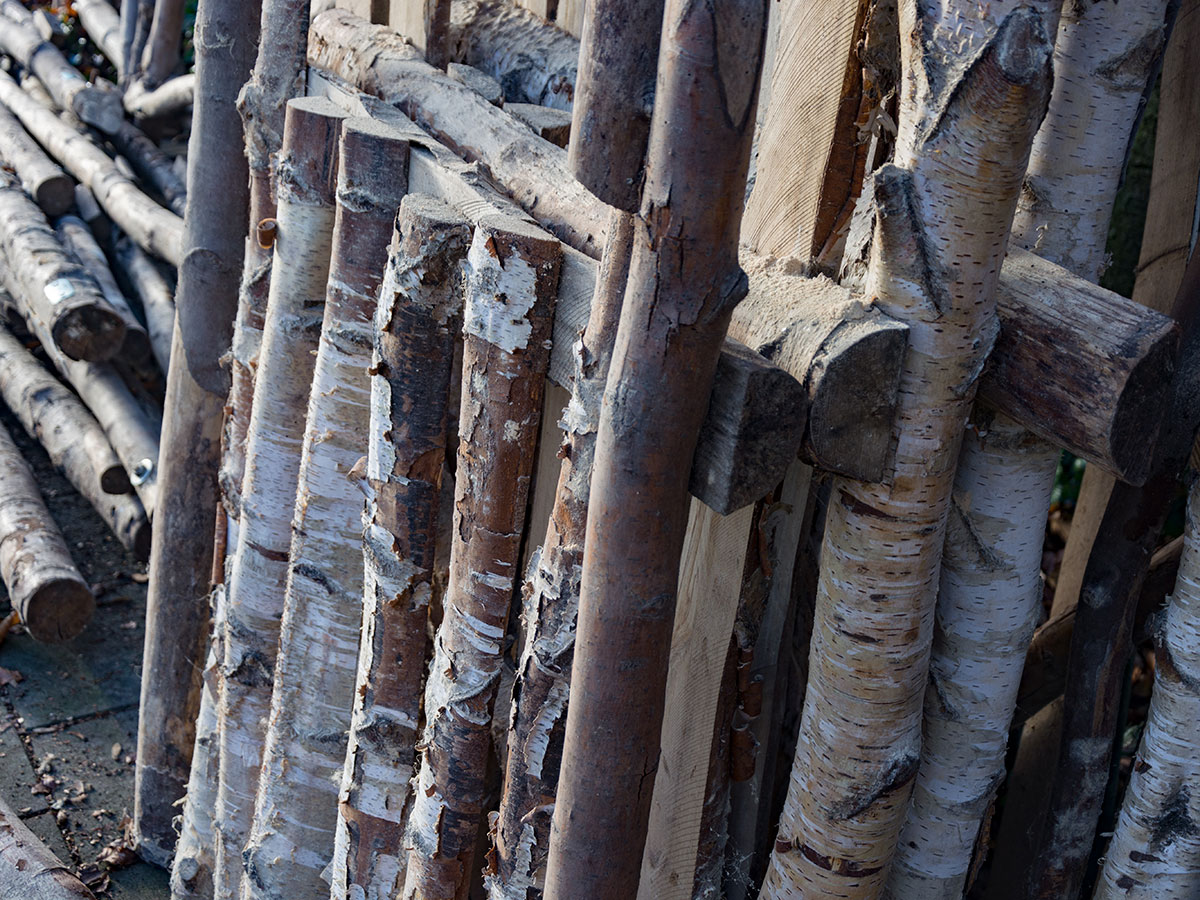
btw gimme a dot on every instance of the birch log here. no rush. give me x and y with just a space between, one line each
152 165
160 56
49 595
533 61
521 833
292 837
49 186
53 288
684 281
169 98
1155 852
512 281
147 282
418 316
28 869
135 26
74 441
258 576
940 236
70 90
103 25
378 62
156 229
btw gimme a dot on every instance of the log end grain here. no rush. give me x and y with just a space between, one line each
55 194
89 332
58 609
1143 403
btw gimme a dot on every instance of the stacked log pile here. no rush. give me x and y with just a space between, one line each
531 515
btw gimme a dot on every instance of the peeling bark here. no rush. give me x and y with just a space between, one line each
157 230
49 186
418 315
260 566
512 283
292 836
20 40
943 213
51 598
521 833
684 281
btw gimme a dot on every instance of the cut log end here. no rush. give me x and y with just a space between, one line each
55 195
115 480
100 108
91 333
1139 412
58 610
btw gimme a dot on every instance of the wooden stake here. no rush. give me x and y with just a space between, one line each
670 324
47 591
418 317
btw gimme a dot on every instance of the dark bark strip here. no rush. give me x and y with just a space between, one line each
419 314
512 284
683 283
551 602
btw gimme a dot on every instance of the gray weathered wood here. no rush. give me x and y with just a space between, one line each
547 122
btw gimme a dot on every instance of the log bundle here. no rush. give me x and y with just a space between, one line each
571 536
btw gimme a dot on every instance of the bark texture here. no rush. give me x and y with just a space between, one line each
155 293
28 869
156 229
684 281
49 595
152 165
136 16
942 223
19 38
292 837
170 98
103 25
614 99
378 62
49 186
160 57
416 321
1155 852
521 833
512 282
258 578
52 287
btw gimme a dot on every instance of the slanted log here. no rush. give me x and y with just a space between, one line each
533 61
74 441
50 187
684 282
20 40
103 25
512 280
52 287
521 835
292 835
169 98
259 571
152 165
153 290
27 867
50 597
77 238
156 229
377 61
418 317
614 97
136 16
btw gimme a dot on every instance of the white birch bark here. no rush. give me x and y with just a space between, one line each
1155 851
292 837
258 578
991 576
944 210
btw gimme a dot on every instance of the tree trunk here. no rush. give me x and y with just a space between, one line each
152 165
177 616
1155 852
74 441
260 566
103 25
157 230
49 595
533 61
20 40
418 316
551 603
941 232
49 186
292 836
27 867
160 57
684 281
513 270
376 60
154 291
